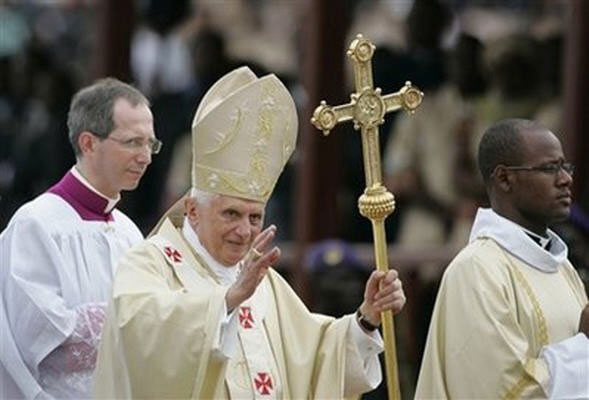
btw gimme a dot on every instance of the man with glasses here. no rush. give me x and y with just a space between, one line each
59 251
511 318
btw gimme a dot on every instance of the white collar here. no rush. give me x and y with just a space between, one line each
110 203
226 275
542 240
513 238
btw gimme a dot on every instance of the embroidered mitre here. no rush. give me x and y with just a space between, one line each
243 133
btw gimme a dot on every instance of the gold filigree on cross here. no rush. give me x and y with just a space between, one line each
367 109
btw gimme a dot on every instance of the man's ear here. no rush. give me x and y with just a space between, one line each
502 179
191 210
86 142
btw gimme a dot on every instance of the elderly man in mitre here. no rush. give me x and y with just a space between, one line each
197 310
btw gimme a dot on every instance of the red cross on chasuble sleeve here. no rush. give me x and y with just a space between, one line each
173 254
253 369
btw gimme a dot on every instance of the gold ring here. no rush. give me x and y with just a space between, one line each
256 254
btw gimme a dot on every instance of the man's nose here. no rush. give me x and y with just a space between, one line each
243 228
144 155
565 177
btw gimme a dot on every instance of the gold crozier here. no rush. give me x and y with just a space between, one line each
367 109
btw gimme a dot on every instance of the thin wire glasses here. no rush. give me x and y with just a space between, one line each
549 168
137 143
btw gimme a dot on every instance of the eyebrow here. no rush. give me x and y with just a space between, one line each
125 137
551 160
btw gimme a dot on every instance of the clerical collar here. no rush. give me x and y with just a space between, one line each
90 204
513 238
111 203
543 241
226 275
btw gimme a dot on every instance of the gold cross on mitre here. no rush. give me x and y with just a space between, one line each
367 110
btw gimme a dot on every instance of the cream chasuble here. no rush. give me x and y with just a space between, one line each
505 321
254 360
165 335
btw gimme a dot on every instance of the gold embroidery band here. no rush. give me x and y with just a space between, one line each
526 379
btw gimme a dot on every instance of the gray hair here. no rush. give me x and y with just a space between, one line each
92 108
202 196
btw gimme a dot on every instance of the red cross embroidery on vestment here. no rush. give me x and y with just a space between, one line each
173 254
263 382
246 319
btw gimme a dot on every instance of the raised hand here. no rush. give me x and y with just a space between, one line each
253 268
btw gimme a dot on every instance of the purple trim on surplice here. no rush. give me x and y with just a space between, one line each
87 204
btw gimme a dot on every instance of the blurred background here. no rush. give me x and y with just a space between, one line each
476 61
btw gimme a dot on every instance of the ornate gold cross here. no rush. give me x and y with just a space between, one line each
367 110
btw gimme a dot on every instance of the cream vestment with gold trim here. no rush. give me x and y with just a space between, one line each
161 333
504 307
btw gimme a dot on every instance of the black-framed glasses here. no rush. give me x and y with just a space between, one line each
137 143
552 168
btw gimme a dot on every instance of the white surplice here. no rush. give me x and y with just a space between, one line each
57 262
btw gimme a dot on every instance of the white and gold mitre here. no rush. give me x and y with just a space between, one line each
243 133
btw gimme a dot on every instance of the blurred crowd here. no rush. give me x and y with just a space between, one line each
476 62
